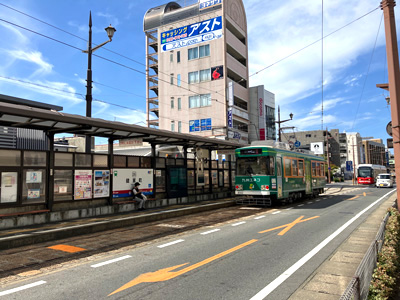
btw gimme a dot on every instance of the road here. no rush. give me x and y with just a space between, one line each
268 254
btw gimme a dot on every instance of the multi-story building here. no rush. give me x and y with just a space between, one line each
197 69
355 151
305 138
374 152
262 114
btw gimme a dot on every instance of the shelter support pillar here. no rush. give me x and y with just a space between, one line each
50 172
111 167
210 185
154 166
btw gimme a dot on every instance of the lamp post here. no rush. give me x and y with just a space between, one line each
110 32
283 121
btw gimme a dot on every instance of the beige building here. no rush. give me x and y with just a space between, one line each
197 69
374 151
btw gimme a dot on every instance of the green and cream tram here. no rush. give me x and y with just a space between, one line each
269 172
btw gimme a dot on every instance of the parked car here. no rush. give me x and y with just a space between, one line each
384 180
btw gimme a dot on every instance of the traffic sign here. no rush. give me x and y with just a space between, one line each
297 144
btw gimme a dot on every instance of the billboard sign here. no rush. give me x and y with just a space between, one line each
217 73
192 34
349 165
203 4
317 148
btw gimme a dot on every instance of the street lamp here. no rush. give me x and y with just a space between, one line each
283 121
110 32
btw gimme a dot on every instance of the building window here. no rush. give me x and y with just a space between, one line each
308 135
199 100
172 103
172 79
193 77
179 103
205 75
178 80
204 50
178 56
179 126
193 53
172 125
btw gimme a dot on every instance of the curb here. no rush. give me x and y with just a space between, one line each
75 230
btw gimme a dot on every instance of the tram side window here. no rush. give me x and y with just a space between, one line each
314 169
288 169
295 170
318 169
301 167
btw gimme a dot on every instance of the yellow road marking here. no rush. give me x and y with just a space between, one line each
167 274
289 225
355 197
67 248
365 194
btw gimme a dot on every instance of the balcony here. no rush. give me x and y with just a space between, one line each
236 66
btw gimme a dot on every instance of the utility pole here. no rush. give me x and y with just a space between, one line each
327 156
394 82
354 163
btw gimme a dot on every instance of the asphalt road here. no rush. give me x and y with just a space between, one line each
266 255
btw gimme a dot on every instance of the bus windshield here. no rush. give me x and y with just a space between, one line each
364 172
261 165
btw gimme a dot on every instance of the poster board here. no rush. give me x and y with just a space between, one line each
101 183
124 179
83 184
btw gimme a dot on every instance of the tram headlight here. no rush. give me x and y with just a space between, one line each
239 187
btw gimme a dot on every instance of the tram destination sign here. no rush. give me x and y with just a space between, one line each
251 151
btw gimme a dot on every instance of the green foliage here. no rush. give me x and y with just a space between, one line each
386 274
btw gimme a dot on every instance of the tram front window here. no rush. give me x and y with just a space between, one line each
255 166
364 172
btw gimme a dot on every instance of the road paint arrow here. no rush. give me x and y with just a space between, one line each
167 274
289 225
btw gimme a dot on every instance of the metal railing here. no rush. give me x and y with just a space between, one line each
358 287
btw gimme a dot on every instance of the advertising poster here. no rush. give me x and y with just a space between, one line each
203 4
217 73
34 177
317 148
8 189
33 193
101 183
83 184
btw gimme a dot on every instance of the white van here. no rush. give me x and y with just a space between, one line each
384 180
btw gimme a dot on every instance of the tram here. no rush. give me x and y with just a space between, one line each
268 172
367 173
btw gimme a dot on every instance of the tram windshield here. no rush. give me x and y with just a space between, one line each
254 166
364 172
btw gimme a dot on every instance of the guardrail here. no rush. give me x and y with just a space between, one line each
358 287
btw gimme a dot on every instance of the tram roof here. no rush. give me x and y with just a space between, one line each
53 121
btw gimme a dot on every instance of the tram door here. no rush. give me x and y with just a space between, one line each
176 182
308 177
279 175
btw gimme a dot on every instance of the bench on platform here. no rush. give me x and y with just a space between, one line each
32 212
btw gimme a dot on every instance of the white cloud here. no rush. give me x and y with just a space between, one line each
33 57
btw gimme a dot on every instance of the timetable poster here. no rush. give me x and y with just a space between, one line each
101 183
83 184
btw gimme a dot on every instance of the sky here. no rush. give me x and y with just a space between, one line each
41 59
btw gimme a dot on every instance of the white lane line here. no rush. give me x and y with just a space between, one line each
277 212
317 200
171 243
310 202
286 274
240 223
258 218
289 208
300 205
110 261
24 287
211 231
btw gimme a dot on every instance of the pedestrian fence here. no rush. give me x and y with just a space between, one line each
358 287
